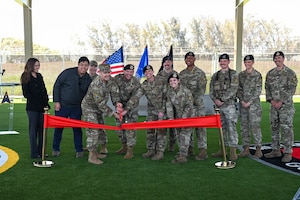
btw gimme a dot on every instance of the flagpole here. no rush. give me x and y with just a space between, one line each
223 164
43 162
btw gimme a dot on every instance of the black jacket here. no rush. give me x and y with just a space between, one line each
36 94
69 88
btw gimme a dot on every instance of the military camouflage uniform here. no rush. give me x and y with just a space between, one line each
223 86
250 86
180 105
94 106
155 92
195 80
281 85
130 93
94 76
172 131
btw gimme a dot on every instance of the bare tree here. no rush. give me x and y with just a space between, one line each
152 35
197 38
213 35
203 34
262 35
229 35
172 32
132 37
101 37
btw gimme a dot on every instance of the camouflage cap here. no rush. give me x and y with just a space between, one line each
93 63
249 57
278 53
105 68
147 67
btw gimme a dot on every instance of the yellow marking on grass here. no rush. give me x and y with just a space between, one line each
12 158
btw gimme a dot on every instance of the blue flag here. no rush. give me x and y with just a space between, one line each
143 62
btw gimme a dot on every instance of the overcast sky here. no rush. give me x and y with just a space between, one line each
55 22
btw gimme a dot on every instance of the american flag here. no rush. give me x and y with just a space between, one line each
116 62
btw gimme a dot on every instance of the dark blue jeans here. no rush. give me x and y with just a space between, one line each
73 112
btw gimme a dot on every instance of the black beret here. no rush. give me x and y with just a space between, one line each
129 66
173 75
147 67
224 56
189 54
166 58
278 53
249 57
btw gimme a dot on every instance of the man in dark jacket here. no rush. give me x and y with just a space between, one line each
69 89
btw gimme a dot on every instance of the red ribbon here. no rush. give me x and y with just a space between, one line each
211 121
62 122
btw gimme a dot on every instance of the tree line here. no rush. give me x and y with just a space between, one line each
203 35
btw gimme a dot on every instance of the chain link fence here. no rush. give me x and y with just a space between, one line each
52 65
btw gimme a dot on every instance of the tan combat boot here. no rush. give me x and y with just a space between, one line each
149 153
245 152
103 149
93 158
233 156
158 156
218 154
123 149
191 151
180 159
202 154
274 153
129 153
100 155
171 147
287 157
258 153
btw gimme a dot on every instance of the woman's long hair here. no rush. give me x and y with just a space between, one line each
29 67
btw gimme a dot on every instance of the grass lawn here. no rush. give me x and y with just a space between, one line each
139 178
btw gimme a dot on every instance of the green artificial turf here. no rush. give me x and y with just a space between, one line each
139 178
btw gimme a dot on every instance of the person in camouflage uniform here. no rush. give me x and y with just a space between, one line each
167 70
280 85
180 104
195 80
130 93
250 86
155 88
223 90
94 106
93 69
